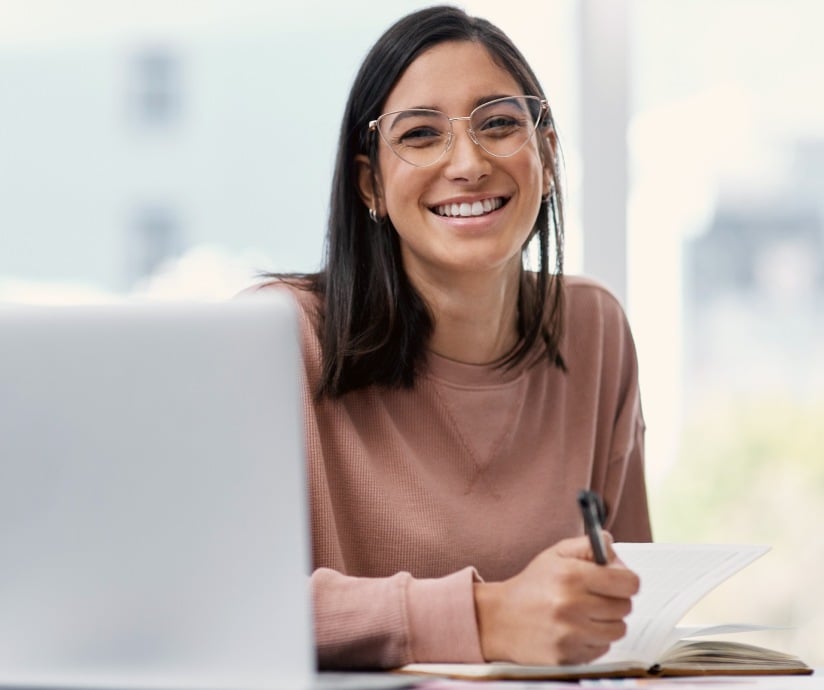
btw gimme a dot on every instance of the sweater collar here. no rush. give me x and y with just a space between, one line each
462 374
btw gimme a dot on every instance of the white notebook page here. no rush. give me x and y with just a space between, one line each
674 577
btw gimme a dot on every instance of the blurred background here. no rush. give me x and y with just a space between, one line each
165 150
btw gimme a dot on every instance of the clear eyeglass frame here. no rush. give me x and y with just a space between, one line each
420 157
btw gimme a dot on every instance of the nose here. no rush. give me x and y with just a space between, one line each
466 160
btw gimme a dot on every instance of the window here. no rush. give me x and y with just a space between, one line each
189 104
726 279
156 82
156 239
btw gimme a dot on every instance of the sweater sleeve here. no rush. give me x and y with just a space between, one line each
626 492
625 488
390 621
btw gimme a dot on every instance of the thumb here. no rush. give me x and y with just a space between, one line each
580 548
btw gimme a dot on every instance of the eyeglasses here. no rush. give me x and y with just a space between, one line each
421 137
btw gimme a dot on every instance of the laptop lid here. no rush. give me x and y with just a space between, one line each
153 518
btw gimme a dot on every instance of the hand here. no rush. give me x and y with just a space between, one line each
561 609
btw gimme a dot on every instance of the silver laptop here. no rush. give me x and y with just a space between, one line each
153 517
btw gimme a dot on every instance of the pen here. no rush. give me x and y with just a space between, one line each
592 510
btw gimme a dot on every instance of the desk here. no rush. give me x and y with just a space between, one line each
813 682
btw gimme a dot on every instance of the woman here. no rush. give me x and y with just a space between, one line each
455 403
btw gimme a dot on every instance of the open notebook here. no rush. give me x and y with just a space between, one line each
153 508
674 577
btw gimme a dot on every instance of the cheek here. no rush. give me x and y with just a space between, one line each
391 181
531 175
533 178
404 187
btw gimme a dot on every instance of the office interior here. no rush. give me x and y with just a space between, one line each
170 151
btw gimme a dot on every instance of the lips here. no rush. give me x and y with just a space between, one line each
468 209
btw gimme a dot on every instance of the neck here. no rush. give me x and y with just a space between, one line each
475 316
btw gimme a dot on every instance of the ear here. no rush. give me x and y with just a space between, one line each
547 186
549 151
370 193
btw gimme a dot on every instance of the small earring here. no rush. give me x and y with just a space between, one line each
373 215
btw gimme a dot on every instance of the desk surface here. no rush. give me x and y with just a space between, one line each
813 682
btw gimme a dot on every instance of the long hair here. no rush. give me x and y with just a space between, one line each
373 324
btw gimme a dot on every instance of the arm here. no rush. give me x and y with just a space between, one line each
390 621
624 487
562 608
626 492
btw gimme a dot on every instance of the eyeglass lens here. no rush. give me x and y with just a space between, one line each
501 127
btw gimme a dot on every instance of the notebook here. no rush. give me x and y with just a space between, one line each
153 509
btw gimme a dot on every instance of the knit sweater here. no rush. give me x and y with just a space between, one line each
418 493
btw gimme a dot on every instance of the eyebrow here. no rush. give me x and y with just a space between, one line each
480 101
493 97
401 115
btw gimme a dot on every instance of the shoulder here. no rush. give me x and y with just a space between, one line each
583 291
595 322
301 289
589 303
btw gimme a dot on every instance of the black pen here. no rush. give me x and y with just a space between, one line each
592 509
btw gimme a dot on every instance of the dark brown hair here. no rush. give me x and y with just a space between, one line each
374 326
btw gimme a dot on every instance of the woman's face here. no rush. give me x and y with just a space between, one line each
436 245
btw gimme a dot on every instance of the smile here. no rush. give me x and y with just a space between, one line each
467 210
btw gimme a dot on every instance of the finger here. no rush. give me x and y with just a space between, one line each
592 609
616 581
609 608
608 542
595 651
609 551
574 547
605 632
612 554
584 653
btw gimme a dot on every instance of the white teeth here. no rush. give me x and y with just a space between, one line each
467 210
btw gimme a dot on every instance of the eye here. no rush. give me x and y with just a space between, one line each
500 125
414 129
418 137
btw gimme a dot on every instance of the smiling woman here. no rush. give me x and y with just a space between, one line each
484 248
455 402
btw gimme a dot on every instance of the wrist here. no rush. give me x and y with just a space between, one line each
488 602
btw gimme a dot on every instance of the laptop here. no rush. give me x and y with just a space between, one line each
153 504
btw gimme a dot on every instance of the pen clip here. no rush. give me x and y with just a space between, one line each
592 510
592 501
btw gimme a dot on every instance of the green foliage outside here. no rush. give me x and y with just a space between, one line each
751 470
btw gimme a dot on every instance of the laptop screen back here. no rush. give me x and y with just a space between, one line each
153 519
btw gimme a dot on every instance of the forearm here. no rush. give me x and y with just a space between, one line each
391 621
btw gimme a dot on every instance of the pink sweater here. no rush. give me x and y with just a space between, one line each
417 493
